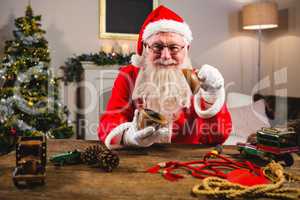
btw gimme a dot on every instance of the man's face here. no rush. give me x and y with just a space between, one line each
161 84
166 49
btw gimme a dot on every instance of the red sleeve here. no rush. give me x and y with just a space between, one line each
215 130
120 107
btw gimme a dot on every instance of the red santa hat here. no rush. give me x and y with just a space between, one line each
161 19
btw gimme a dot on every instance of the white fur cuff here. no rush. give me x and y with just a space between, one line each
214 109
117 131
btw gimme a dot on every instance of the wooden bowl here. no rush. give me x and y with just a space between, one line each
148 117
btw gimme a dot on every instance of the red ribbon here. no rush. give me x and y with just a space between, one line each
211 165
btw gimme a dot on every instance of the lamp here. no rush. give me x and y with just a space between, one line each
258 16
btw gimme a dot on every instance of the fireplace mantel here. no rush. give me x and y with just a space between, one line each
95 90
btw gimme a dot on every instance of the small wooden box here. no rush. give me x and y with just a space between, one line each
31 161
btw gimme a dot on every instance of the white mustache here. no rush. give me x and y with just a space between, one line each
161 61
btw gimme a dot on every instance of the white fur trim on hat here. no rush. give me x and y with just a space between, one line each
166 25
136 60
214 109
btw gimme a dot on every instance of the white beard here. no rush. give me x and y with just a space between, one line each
164 90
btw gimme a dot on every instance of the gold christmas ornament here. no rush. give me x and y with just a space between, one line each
30 103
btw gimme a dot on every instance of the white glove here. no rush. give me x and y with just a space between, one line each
212 82
164 135
142 138
128 134
211 90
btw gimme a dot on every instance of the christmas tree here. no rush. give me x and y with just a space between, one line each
29 96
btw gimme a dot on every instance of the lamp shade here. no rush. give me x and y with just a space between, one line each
260 15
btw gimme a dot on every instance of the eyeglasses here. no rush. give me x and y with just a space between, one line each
157 48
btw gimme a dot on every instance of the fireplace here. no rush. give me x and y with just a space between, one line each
94 93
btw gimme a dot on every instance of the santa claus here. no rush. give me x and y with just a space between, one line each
155 81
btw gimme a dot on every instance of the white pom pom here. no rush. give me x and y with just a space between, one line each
136 60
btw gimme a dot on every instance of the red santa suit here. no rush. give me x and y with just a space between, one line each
192 126
188 128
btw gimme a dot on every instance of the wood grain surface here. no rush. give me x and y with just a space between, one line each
128 181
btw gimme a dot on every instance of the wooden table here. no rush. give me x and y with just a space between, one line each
129 181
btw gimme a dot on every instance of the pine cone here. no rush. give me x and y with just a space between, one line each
108 160
90 155
100 156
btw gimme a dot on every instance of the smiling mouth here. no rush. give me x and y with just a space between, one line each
164 66
171 64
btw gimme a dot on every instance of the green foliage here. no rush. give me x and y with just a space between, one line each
63 132
73 68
